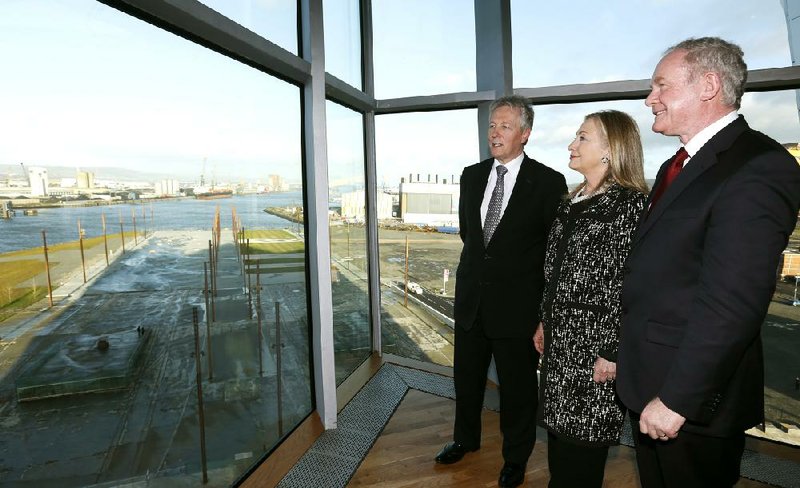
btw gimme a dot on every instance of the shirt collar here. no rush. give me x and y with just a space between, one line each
513 165
700 139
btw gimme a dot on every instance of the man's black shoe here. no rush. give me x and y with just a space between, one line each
512 474
451 453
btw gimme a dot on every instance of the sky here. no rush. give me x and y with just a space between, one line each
84 85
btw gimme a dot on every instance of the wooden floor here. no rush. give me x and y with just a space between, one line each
403 454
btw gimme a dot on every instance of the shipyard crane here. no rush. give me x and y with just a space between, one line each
25 174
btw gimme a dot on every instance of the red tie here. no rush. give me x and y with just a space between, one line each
675 167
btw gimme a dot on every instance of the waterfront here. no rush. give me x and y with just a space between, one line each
61 223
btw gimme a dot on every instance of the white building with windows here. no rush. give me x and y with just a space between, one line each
434 204
38 180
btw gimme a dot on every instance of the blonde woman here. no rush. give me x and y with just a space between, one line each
578 337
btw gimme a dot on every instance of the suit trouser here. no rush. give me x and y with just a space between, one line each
516 361
690 460
575 465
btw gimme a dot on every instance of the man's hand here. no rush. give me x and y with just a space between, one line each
659 422
538 338
604 370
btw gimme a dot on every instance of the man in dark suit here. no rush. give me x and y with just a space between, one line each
701 273
507 204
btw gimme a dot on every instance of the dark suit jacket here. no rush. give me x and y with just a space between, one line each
506 279
699 278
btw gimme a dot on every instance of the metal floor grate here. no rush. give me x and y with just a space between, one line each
336 454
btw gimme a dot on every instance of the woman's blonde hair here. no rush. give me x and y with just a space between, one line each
626 159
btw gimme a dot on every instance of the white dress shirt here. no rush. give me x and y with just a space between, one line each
509 180
700 139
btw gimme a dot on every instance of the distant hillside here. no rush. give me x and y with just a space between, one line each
102 173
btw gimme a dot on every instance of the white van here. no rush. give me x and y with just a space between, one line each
414 288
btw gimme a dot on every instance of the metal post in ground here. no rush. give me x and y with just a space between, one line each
208 322
47 269
83 256
214 242
200 410
249 285
122 232
135 236
244 256
279 374
405 295
215 273
258 315
144 219
234 224
105 236
211 274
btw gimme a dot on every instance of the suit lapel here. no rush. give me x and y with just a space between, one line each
482 179
705 158
520 193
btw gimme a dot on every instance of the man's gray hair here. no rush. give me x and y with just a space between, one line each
518 102
724 58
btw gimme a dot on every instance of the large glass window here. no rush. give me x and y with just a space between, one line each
156 170
423 48
419 246
596 41
343 40
275 20
351 317
554 126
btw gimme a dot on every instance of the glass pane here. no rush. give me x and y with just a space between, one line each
351 317
343 40
419 246
597 43
423 47
774 113
554 128
274 20
142 156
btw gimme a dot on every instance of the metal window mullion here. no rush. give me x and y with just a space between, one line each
373 249
318 238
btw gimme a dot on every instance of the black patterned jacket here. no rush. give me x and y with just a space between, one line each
587 247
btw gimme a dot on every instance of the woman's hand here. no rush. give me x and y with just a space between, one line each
538 338
604 370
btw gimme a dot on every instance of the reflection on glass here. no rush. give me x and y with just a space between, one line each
274 20
423 48
622 42
342 20
148 302
419 245
351 317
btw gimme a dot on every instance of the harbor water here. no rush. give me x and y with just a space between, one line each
61 223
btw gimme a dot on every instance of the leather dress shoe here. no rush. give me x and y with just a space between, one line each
512 474
451 453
